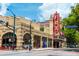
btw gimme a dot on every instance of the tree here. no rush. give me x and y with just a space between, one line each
77 37
72 35
69 34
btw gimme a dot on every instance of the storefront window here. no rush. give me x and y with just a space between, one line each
49 42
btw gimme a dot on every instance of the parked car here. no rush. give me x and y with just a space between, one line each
71 46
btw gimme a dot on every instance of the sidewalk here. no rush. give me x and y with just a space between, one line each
21 51
39 49
4 52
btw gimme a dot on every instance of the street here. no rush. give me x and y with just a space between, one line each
41 52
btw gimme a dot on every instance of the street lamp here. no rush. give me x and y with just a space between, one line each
30 47
13 25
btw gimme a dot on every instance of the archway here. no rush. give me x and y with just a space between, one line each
26 39
9 40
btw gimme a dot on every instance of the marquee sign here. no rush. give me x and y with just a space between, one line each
56 25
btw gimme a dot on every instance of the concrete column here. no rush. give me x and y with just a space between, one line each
63 44
52 43
0 42
47 42
19 40
19 43
32 40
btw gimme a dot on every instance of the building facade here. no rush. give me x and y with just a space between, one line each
40 33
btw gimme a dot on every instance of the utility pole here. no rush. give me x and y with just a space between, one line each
13 26
30 44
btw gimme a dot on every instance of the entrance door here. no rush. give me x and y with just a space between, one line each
26 39
44 40
56 44
9 40
36 43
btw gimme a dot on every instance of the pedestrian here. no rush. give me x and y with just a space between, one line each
30 47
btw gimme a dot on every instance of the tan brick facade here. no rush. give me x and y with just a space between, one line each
23 27
41 33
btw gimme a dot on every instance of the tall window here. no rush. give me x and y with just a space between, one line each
42 28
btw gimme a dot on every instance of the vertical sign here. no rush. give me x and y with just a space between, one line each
56 24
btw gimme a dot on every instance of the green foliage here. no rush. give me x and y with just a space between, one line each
77 37
72 35
69 21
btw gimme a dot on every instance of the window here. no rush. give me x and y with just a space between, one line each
27 26
42 28
49 42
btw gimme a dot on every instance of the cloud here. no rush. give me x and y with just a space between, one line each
3 9
28 18
48 9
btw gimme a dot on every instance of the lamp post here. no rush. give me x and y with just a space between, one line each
13 25
30 47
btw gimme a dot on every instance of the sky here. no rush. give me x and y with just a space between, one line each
36 11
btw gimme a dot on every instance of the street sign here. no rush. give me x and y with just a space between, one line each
74 26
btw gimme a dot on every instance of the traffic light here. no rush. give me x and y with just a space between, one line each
7 24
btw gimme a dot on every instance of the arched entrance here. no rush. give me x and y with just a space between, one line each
26 39
9 40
